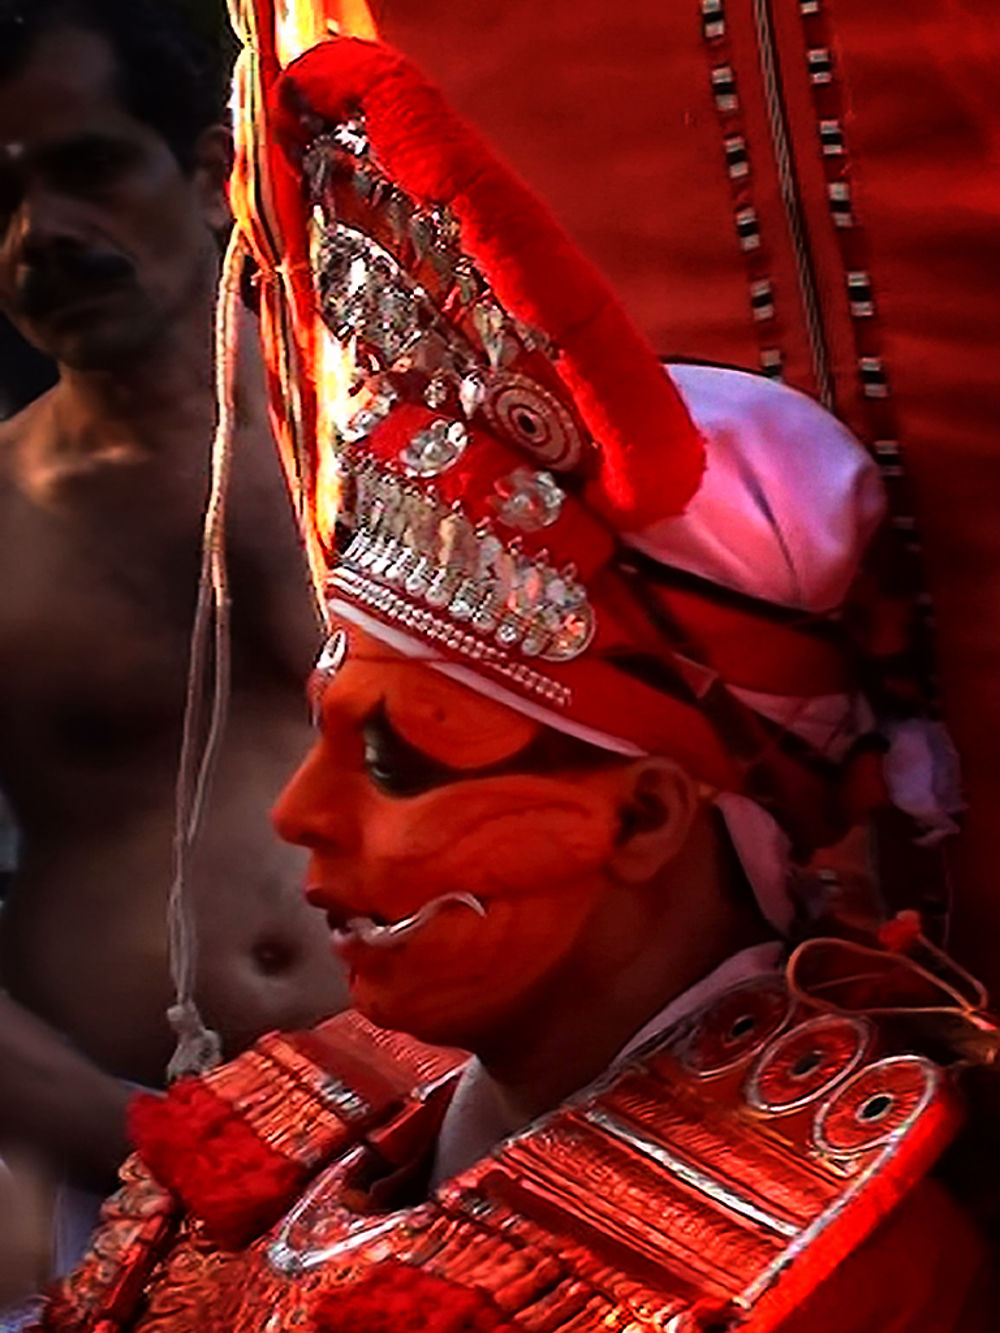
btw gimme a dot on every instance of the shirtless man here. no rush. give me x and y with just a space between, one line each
112 167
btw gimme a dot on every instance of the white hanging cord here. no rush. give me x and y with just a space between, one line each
198 1047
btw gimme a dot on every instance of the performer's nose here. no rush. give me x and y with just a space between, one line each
311 811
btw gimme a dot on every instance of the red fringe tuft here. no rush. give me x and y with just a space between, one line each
196 1145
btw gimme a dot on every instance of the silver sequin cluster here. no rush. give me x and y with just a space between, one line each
366 293
363 293
404 537
430 626
410 556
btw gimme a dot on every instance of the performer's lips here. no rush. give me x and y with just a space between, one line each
376 932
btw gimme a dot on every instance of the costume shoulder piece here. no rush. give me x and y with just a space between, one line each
714 1181
223 1156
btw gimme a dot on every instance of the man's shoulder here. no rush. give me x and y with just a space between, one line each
13 431
17 431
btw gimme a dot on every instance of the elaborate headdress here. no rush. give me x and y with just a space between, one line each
496 476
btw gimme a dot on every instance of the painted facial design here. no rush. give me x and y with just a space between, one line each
440 822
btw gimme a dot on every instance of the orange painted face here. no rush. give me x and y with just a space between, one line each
417 789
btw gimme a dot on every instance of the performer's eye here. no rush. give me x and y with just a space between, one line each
399 769
395 766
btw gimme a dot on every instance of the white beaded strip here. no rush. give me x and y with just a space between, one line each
390 603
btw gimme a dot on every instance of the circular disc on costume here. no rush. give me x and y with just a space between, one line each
875 1106
735 1027
535 421
807 1062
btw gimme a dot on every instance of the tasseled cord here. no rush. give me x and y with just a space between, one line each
198 1047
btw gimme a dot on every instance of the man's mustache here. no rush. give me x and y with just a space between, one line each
45 283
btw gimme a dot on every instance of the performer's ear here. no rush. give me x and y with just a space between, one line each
213 165
658 806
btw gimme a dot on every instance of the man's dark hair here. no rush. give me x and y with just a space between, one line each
168 77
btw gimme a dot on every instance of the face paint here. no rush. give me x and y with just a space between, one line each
409 871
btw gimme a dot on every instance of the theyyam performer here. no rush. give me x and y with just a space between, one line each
590 720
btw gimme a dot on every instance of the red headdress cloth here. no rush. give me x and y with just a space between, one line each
516 492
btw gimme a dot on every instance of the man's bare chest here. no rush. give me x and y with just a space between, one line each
92 608
96 609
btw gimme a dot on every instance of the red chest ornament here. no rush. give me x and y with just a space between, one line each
711 1183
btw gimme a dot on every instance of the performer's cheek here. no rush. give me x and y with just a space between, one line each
510 836
536 860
